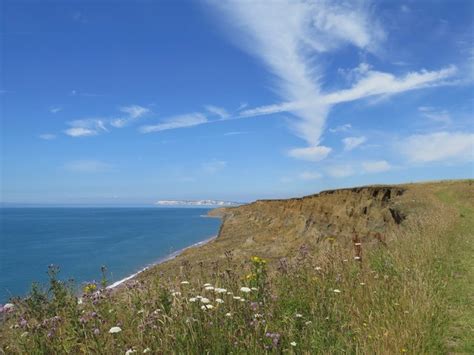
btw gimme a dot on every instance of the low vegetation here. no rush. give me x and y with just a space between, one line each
407 294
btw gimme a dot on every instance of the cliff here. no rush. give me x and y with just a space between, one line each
274 229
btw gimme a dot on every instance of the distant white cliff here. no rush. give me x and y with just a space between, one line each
190 203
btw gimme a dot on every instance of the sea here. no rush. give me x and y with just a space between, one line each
82 240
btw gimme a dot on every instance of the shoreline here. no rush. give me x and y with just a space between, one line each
160 261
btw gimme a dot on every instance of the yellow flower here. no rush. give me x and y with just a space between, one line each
89 288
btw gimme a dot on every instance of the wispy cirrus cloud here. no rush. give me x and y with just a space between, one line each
290 36
181 121
133 113
350 143
342 128
438 116
94 126
286 36
218 111
86 127
55 109
438 146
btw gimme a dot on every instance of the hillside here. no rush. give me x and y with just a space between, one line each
279 228
376 269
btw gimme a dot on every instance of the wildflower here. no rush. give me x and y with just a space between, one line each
176 294
293 343
345 260
220 290
336 290
308 322
358 244
218 300
254 289
130 351
205 300
193 299
209 288
206 285
79 300
228 314
357 257
318 268
198 297
242 300
207 306
90 288
257 315
147 350
114 330
298 315
362 283
245 289
236 298
96 331
184 282
230 293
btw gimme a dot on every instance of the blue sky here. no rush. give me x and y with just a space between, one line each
128 102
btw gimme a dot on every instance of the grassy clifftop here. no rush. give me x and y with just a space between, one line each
378 269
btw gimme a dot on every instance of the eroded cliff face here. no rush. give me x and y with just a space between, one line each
369 212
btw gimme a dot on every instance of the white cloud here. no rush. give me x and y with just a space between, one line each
80 132
55 109
340 171
380 83
86 127
343 128
439 146
135 111
214 166
439 116
310 175
182 121
87 166
316 153
286 36
351 143
235 133
218 111
376 166
47 136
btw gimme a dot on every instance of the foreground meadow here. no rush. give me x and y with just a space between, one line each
409 294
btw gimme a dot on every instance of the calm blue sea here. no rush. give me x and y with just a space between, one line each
81 240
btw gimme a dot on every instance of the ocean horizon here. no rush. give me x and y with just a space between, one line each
80 240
